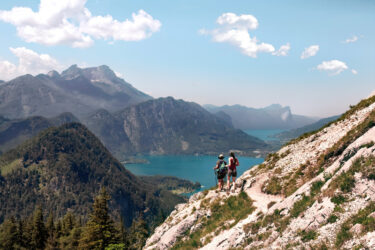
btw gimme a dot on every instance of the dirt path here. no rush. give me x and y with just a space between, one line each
261 200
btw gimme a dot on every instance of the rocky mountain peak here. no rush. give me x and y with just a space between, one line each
72 72
53 74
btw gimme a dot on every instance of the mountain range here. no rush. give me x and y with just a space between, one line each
274 116
75 90
169 126
127 121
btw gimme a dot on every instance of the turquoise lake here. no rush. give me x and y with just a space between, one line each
189 167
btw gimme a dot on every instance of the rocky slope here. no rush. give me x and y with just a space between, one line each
169 126
317 192
272 117
75 90
294 133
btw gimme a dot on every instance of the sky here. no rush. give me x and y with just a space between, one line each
317 57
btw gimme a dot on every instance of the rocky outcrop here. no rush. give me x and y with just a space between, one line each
316 192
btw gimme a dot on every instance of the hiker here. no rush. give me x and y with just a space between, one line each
232 170
221 171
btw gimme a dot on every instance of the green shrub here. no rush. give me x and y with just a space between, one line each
332 219
347 183
338 199
301 206
273 186
315 187
308 235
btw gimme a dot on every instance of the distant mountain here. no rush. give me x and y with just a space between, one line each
63 168
15 132
294 133
272 117
75 90
168 126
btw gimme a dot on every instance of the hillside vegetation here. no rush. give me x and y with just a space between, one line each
63 168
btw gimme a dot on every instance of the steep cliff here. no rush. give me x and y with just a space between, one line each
317 192
169 126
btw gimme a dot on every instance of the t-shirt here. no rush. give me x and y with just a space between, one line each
233 163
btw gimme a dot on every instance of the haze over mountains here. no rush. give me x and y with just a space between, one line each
126 120
168 126
75 90
274 116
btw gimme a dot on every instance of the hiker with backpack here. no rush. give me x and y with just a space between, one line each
232 170
221 170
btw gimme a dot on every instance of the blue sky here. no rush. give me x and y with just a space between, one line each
182 49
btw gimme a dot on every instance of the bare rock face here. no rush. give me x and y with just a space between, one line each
307 195
356 229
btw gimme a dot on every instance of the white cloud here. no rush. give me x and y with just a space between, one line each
283 50
334 67
354 72
310 51
351 39
69 22
29 62
234 29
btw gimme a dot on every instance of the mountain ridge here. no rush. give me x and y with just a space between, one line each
169 126
273 116
76 90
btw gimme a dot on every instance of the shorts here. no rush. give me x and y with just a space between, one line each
232 173
221 176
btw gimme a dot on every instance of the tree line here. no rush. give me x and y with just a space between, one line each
70 232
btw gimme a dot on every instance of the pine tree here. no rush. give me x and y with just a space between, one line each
51 243
99 231
39 233
8 234
138 234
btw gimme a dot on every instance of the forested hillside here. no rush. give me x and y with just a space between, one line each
63 168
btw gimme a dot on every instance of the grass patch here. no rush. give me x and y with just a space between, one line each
301 205
235 207
273 186
10 167
332 218
308 235
346 182
338 199
362 217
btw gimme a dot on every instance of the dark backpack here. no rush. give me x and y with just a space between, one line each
222 170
